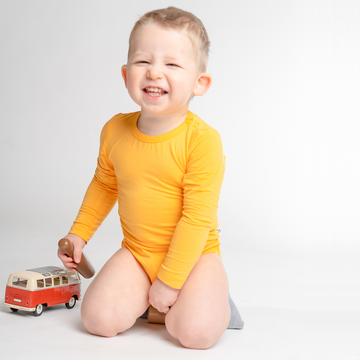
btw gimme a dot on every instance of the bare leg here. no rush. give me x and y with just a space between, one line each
202 313
117 296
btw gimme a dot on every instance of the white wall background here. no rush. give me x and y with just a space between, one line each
285 98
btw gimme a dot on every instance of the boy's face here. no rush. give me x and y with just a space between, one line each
161 74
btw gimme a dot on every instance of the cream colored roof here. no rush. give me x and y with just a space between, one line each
26 275
42 272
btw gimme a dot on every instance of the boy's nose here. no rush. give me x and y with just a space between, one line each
154 73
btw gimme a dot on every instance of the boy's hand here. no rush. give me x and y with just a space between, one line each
162 296
69 262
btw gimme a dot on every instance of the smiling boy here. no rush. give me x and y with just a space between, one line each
164 166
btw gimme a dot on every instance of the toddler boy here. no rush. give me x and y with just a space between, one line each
164 166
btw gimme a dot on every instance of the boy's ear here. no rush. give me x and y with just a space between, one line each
124 74
202 85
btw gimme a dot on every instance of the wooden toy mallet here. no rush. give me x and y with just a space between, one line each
85 268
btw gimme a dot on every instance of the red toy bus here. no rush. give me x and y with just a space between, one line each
34 289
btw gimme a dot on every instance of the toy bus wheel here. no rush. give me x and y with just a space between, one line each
39 310
71 303
14 310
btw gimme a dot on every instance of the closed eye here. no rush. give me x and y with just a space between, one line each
171 64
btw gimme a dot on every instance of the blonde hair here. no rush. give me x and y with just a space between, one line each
178 19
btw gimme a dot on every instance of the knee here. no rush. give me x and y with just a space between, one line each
192 335
104 322
196 338
197 332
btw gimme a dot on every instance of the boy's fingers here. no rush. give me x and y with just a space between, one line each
67 261
77 255
65 258
72 269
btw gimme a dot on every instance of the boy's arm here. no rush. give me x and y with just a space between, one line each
98 202
202 184
100 196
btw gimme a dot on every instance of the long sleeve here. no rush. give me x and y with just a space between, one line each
201 191
100 196
167 187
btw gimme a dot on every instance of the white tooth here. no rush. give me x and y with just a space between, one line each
154 89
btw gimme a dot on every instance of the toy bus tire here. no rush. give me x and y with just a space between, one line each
14 310
39 310
71 303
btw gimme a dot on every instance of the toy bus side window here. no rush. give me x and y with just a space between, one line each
40 283
73 278
48 282
19 282
56 281
65 280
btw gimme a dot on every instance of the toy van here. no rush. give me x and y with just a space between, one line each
34 289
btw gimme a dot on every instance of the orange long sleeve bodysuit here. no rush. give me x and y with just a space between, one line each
167 188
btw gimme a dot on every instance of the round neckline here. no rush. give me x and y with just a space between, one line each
158 138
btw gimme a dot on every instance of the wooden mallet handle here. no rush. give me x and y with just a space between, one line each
155 317
84 267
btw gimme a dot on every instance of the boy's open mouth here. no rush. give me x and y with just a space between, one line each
154 91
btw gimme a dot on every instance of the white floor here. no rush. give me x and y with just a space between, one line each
268 334
277 326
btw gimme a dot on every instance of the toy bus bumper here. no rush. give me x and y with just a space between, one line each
18 307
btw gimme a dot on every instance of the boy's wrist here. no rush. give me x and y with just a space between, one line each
166 285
